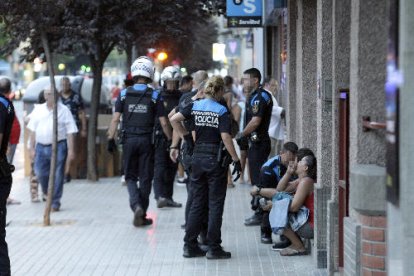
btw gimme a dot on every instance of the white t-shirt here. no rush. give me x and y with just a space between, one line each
41 122
276 127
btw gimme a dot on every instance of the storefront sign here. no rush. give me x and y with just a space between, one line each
244 13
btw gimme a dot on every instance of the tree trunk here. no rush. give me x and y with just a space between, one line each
52 175
97 67
128 50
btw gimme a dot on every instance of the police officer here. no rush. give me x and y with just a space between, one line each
185 154
6 121
165 169
271 173
212 128
255 135
139 106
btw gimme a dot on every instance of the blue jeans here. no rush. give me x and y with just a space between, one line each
42 168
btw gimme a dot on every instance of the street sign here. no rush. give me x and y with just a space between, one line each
244 13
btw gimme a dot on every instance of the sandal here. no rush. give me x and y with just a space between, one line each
289 251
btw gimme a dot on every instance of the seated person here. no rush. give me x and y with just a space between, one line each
303 189
271 173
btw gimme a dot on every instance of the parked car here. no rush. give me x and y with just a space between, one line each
80 85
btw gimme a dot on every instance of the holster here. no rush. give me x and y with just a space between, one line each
185 156
6 169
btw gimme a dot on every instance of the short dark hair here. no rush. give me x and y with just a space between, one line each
41 98
302 152
228 80
186 80
137 78
254 73
312 166
290 146
5 85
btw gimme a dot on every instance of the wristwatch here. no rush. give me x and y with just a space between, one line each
258 189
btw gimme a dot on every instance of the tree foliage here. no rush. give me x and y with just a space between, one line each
95 27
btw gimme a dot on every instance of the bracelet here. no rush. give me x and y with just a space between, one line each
176 147
258 190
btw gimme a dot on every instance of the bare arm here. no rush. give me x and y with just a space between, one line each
266 192
283 183
82 117
71 147
236 110
166 128
175 121
304 188
228 142
114 124
252 125
32 144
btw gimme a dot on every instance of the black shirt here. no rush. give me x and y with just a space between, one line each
260 105
6 122
185 100
210 119
74 103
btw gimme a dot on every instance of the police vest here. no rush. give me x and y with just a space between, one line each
139 110
9 122
171 100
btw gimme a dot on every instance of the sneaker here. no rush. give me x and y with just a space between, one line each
55 209
218 254
256 219
192 252
266 238
172 203
147 221
162 202
67 178
138 217
281 245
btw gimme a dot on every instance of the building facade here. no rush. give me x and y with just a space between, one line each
349 98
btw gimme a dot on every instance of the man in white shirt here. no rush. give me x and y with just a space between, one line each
41 138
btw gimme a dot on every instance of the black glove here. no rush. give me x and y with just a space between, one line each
243 142
111 147
237 169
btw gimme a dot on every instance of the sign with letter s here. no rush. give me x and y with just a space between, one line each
244 13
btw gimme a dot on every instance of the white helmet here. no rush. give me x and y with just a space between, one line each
143 67
170 73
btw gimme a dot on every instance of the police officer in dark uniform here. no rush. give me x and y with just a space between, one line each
165 169
212 127
255 135
139 106
6 121
271 173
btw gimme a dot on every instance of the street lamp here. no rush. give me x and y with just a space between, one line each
162 56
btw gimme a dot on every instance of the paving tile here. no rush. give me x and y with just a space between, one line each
94 235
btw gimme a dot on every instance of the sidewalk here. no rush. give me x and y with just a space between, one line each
93 235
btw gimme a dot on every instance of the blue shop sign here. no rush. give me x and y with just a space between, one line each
244 13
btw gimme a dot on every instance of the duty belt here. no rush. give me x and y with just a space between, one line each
206 149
